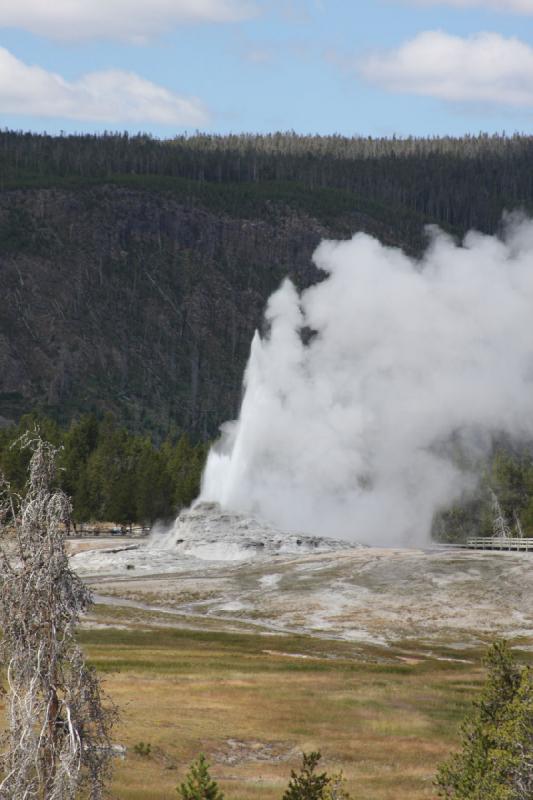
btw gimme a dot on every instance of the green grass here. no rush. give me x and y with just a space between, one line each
386 723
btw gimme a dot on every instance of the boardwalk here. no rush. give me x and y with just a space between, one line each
498 543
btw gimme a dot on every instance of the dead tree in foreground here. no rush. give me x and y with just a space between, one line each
57 746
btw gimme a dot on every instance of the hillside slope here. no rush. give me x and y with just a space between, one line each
131 301
133 273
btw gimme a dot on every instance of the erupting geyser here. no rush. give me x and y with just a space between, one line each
347 432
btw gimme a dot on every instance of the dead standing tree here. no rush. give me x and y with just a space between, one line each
58 740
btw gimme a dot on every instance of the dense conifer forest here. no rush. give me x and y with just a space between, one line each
458 182
110 474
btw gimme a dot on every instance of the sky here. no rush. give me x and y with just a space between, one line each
352 67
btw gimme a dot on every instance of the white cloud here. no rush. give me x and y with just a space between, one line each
484 68
110 96
133 20
514 6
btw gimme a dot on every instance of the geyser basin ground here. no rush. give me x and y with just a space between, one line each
370 655
367 595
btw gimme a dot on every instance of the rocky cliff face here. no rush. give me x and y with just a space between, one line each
134 302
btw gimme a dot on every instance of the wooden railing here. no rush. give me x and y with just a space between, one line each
499 543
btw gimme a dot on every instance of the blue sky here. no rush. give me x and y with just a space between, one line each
365 67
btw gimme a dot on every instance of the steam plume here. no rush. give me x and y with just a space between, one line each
347 434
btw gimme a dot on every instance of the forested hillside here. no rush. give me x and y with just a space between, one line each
133 271
462 182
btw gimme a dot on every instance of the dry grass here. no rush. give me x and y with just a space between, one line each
251 708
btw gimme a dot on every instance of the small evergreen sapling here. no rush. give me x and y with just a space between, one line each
198 783
308 784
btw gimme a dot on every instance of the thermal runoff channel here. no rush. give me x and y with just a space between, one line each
361 429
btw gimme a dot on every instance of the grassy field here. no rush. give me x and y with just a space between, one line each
252 703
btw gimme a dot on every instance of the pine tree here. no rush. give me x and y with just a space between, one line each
307 784
198 784
496 758
153 484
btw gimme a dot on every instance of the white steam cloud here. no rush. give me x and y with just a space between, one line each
347 434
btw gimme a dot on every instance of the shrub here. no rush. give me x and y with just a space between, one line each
143 749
